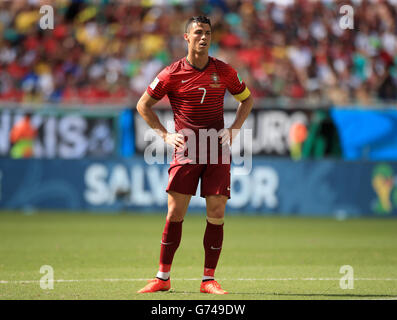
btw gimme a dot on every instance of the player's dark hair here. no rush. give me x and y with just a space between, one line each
202 19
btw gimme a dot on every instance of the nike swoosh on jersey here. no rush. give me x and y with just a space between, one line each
183 81
166 243
216 248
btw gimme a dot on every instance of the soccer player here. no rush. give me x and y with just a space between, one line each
195 85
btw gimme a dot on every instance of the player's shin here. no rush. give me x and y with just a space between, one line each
213 239
170 241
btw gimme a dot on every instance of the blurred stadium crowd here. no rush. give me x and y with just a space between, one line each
109 51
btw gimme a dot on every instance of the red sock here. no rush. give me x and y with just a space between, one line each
213 238
170 241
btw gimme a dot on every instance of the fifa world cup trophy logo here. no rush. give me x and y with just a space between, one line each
383 183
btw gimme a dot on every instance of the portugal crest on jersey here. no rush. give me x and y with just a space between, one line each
215 80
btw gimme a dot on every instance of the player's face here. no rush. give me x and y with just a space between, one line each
199 37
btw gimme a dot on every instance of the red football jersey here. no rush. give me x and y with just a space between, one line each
197 96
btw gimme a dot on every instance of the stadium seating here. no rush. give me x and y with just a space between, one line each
108 52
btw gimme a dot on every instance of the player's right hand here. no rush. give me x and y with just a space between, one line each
174 139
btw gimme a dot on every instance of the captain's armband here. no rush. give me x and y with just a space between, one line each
243 95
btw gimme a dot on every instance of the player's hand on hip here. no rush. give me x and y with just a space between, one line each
174 139
226 135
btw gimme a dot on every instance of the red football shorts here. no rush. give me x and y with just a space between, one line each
215 179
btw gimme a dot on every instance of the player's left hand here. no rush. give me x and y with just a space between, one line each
226 135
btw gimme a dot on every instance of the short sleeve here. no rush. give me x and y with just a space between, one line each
235 85
159 86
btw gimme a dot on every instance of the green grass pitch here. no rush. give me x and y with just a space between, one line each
110 256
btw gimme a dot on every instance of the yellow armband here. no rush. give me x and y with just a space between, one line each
243 95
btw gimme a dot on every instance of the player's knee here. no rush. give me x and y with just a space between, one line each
216 212
175 215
